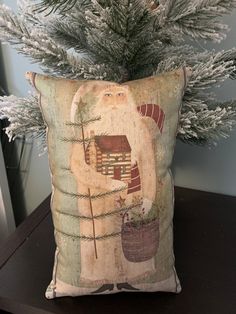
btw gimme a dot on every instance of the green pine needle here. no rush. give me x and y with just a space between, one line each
54 5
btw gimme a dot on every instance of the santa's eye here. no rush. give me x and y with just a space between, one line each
120 94
108 94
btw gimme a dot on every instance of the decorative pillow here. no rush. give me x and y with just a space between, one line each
110 148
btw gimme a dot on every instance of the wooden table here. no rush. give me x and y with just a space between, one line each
205 234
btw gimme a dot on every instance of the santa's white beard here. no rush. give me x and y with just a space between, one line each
119 121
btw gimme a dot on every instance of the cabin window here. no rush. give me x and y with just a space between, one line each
123 156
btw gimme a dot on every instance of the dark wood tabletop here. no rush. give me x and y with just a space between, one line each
205 250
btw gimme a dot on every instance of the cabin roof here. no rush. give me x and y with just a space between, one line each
113 143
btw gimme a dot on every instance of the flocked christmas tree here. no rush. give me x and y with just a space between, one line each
125 40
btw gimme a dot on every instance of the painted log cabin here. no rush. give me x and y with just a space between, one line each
110 155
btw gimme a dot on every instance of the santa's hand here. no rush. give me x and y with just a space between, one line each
147 204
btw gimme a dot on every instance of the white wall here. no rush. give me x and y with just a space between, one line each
34 169
194 167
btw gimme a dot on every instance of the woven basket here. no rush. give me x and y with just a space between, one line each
140 242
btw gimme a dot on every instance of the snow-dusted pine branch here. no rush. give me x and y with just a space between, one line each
108 31
127 40
207 126
36 43
54 5
209 69
196 18
214 68
24 116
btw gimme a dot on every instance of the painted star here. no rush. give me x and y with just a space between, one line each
121 201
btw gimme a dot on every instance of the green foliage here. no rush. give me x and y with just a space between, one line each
138 218
54 5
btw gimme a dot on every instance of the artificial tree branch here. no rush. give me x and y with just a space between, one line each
24 116
197 18
39 46
54 5
126 40
207 126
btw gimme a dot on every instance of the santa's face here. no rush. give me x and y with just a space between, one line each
115 101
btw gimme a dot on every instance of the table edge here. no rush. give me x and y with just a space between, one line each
23 231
